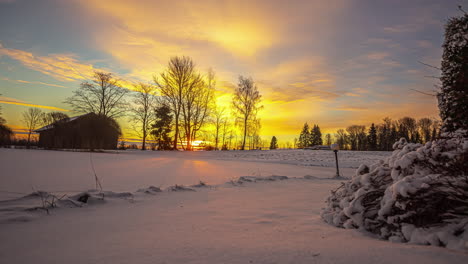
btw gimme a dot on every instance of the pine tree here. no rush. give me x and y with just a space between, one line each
274 143
453 98
372 138
317 136
162 127
304 137
312 137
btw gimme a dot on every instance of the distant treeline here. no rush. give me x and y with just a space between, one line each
377 137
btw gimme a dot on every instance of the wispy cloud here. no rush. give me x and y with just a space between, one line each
403 28
13 101
351 108
32 82
63 67
377 55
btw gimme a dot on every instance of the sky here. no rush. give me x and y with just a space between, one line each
332 63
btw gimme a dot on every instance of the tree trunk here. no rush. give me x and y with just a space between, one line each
245 133
176 132
29 139
143 145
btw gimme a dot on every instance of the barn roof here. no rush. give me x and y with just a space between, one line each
66 120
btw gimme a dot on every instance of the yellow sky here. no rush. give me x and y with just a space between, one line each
325 63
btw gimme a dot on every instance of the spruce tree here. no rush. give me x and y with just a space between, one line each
162 127
372 138
313 136
317 136
274 143
453 97
304 137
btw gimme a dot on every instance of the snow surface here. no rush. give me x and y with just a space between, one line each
26 170
417 195
259 218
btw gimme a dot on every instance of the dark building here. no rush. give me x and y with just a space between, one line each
89 131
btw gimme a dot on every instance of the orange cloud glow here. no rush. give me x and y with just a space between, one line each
12 101
63 67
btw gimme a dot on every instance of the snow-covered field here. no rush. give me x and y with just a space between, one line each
227 222
62 171
321 158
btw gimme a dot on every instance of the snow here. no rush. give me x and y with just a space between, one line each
417 195
155 210
25 170
323 158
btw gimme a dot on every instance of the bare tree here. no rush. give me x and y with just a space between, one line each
196 106
173 83
425 126
356 136
189 96
253 134
103 95
341 138
408 128
328 140
226 126
142 112
218 121
54 118
2 120
246 103
32 119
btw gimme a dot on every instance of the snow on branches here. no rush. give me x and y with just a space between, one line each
417 195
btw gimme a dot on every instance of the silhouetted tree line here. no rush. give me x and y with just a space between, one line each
376 137
383 135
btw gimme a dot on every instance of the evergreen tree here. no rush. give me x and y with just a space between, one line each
304 137
372 138
312 137
162 127
274 143
453 98
316 136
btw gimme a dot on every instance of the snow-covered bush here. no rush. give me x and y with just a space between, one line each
419 195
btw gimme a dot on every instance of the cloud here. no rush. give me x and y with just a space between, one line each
234 26
351 108
377 55
33 82
12 101
63 67
425 44
403 28
298 79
